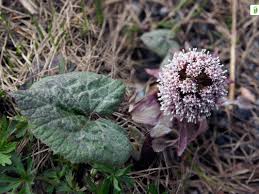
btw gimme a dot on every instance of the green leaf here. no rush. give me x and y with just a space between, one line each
18 165
19 124
26 189
7 148
123 171
13 187
159 41
3 124
5 159
128 181
59 109
104 187
5 131
104 168
8 179
16 178
116 184
91 184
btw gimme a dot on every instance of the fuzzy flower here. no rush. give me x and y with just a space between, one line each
191 84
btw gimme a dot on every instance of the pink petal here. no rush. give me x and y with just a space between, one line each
183 140
203 126
163 127
153 72
189 132
146 111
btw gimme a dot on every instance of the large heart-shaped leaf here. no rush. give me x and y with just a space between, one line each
60 107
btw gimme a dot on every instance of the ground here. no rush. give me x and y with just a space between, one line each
41 38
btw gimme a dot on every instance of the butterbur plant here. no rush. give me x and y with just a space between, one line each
190 86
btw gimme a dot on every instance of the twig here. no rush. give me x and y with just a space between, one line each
233 50
30 6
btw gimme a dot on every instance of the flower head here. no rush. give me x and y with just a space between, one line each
191 84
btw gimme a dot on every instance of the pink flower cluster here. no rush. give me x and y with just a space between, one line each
191 84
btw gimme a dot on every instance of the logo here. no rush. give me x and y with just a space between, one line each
254 9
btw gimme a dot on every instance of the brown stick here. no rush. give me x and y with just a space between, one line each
233 50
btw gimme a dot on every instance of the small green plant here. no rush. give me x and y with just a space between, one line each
6 146
17 178
70 185
113 180
60 179
53 177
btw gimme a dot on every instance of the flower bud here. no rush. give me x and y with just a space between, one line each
191 84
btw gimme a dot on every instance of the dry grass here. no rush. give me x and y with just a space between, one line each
226 158
65 30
